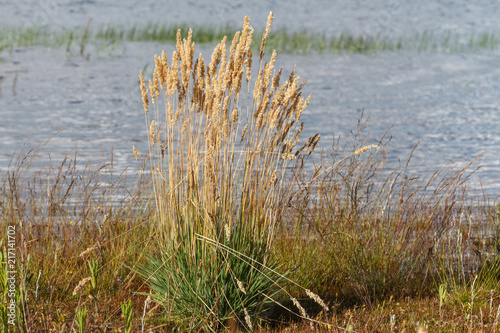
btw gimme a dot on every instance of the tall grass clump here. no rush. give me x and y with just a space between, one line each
219 149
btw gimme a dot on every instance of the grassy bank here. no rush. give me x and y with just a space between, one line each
109 37
240 224
381 257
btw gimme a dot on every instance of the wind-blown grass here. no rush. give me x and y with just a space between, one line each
218 161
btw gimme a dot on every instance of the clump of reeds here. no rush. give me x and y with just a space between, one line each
208 141
219 148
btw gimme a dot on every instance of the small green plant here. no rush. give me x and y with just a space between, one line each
442 290
128 314
81 320
94 268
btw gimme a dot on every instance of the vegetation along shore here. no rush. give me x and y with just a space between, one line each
236 222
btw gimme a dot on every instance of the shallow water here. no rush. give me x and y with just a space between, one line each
392 17
448 103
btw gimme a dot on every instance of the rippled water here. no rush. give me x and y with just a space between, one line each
447 102
364 16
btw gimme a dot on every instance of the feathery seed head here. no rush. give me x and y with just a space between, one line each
248 65
159 70
184 125
302 105
80 285
240 286
152 135
177 115
152 91
317 299
88 250
313 144
268 70
244 132
248 320
234 117
178 41
365 148
273 178
137 153
303 312
266 34
156 82
288 156
144 92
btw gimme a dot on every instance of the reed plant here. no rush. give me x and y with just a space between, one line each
219 146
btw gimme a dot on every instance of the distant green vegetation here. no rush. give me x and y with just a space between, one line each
283 40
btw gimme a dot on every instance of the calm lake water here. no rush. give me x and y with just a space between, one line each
449 103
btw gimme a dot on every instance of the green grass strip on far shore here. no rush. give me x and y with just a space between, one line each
281 39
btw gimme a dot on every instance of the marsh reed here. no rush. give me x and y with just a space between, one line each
219 146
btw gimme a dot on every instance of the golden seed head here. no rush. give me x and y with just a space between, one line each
274 115
268 70
248 320
88 250
273 178
156 81
301 309
313 143
317 299
178 41
159 69
164 63
297 135
248 64
234 117
152 91
224 107
241 287
152 136
257 91
144 92
302 105
244 132
137 153
170 113
184 125
266 34
80 285
365 148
